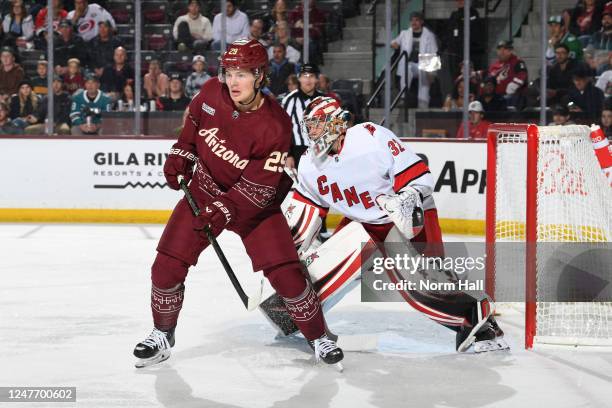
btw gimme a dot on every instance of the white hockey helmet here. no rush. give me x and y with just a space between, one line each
324 121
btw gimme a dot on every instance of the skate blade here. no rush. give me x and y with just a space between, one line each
339 367
490 345
146 362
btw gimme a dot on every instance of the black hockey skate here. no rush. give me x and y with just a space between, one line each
155 348
327 350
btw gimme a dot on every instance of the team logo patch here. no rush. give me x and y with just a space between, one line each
310 259
208 109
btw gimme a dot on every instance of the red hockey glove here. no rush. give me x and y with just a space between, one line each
179 162
216 215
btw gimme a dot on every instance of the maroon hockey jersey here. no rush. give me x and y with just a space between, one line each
240 154
510 75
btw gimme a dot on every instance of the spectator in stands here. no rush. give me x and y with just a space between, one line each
116 75
558 34
61 110
126 102
293 83
198 77
455 99
280 69
39 82
68 46
86 18
155 81
294 104
176 99
586 19
561 116
324 86
454 39
606 120
86 108
281 36
6 125
560 75
18 26
584 96
192 30
59 14
278 13
489 99
102 48
605 79
316 20
73 79
510 72
417 39
256 32
602 39
25 106
477 126
11 73
236 24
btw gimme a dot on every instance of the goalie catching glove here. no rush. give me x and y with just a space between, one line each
405 209
179 163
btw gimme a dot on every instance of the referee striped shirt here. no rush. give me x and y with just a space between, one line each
294 104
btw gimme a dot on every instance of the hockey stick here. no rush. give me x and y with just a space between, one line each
250 303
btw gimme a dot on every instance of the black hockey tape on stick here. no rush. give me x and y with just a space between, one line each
250 303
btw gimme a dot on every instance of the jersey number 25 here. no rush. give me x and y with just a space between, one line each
276 162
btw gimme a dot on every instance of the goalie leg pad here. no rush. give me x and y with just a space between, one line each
304 222
335 266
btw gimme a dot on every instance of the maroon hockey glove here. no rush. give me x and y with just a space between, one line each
179 162
216 215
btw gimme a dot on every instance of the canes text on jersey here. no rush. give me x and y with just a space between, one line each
219 150
350 195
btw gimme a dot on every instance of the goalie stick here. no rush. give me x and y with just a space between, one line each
250 303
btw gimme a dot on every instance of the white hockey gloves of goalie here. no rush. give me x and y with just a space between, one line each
405 209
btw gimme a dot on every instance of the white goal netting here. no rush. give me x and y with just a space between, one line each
573 221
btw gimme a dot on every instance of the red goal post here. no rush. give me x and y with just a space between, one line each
554 170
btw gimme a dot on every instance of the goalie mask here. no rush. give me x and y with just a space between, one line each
324 121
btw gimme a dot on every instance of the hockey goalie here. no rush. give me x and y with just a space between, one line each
384 191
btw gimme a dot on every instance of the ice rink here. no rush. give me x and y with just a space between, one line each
74 301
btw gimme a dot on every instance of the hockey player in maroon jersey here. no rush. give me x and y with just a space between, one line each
384 191
238 140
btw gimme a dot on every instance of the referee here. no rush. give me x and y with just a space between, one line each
294 104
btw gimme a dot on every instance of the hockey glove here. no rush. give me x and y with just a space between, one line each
179 162
215 215
405 209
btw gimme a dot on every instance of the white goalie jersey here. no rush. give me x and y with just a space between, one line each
372 162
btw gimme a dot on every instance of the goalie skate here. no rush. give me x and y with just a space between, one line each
154 349
490 338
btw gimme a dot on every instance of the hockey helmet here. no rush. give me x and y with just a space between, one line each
244 54
324 121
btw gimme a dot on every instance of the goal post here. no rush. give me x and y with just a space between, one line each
544 189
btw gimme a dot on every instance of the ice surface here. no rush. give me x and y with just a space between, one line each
74 300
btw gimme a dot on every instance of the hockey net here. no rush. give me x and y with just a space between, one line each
548 201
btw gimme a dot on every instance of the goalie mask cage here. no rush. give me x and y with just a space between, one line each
544 185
